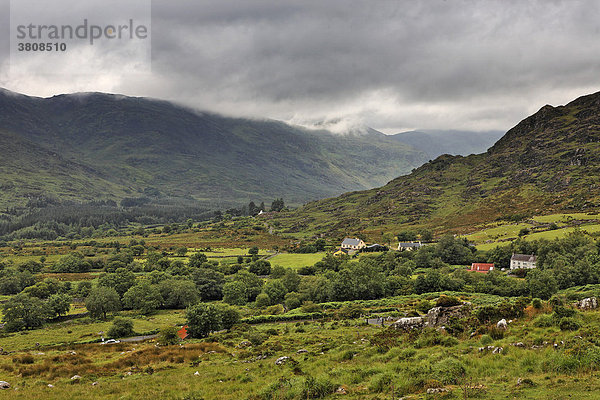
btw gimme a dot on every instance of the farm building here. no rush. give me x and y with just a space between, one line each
482 267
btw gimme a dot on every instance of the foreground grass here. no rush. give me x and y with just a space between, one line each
363 361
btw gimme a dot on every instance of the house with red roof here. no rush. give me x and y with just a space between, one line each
482 267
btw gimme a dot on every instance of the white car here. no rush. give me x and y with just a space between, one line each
111 341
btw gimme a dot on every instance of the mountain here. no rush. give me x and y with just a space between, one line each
549 162
102 146
434 143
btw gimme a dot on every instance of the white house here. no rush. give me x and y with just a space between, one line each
353 244
409 246
518 261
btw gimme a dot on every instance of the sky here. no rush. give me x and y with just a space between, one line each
390 65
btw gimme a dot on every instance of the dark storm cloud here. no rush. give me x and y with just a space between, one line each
392 65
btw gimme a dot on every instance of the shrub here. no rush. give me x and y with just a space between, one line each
310 307
256 338
350 311
537 303
275 309
562 312
569 324
262 300
447 301
423 306
544 321
168 336
496 333
121 327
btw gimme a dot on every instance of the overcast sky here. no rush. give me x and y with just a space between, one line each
391 65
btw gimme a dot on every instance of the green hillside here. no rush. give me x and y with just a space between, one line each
128 147
549 162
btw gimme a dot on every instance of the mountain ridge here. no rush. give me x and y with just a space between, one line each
142 144
548 162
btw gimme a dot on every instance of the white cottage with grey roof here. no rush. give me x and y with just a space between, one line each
353 244
519 261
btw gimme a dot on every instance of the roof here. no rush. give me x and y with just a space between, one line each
523 257
182 333
481 266
410 244
351 242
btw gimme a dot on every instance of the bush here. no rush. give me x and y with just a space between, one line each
544 321
537 303
121 327
496 333
447 301
569 324
350 311
168 336
423 306
275 309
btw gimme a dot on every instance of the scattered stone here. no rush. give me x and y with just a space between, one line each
75 377
502 324
128 373
4 385
73 353
302 351
198 373
38 354
589 303
244 343
409 323
436 390
525 382
50 385
341 390
282 360
493 349
95 383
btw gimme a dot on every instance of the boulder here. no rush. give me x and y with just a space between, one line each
439 316
4 385
281 360
409 323
502 324
589 303
302 351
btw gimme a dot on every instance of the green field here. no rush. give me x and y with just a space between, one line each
290 260
491 237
